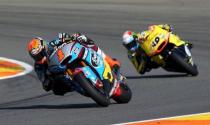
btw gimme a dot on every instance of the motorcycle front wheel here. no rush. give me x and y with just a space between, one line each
190 69
100 98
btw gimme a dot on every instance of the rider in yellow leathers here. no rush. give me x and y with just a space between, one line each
138 53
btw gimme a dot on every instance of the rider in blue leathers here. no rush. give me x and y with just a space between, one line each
40 49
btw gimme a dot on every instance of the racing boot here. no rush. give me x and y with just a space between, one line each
142 67
139 62
47 85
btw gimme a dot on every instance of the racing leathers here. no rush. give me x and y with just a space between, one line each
132 41
41 68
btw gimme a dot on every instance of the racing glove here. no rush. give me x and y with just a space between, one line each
47 85
167 27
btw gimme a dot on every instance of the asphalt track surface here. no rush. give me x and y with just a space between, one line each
156 94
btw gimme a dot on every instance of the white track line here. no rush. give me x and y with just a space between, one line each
28 68
166 118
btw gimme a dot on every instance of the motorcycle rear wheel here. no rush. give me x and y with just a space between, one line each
125 94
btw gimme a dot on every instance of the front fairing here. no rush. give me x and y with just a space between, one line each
58 56
68 53
152 44
175 40
97 62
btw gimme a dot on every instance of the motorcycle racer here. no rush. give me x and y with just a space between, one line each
40 50
132 42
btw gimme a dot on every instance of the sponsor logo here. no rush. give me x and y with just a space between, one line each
94 59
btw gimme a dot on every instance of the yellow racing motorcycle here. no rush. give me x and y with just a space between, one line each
168 51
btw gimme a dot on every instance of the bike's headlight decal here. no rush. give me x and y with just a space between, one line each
95 60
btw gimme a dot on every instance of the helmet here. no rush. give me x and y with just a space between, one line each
36 48
129 41
127 37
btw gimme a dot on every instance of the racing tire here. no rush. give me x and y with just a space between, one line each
125 95
98 97
190 69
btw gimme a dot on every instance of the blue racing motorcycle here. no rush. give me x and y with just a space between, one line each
90 73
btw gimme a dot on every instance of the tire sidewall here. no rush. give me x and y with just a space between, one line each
180 60
99 98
